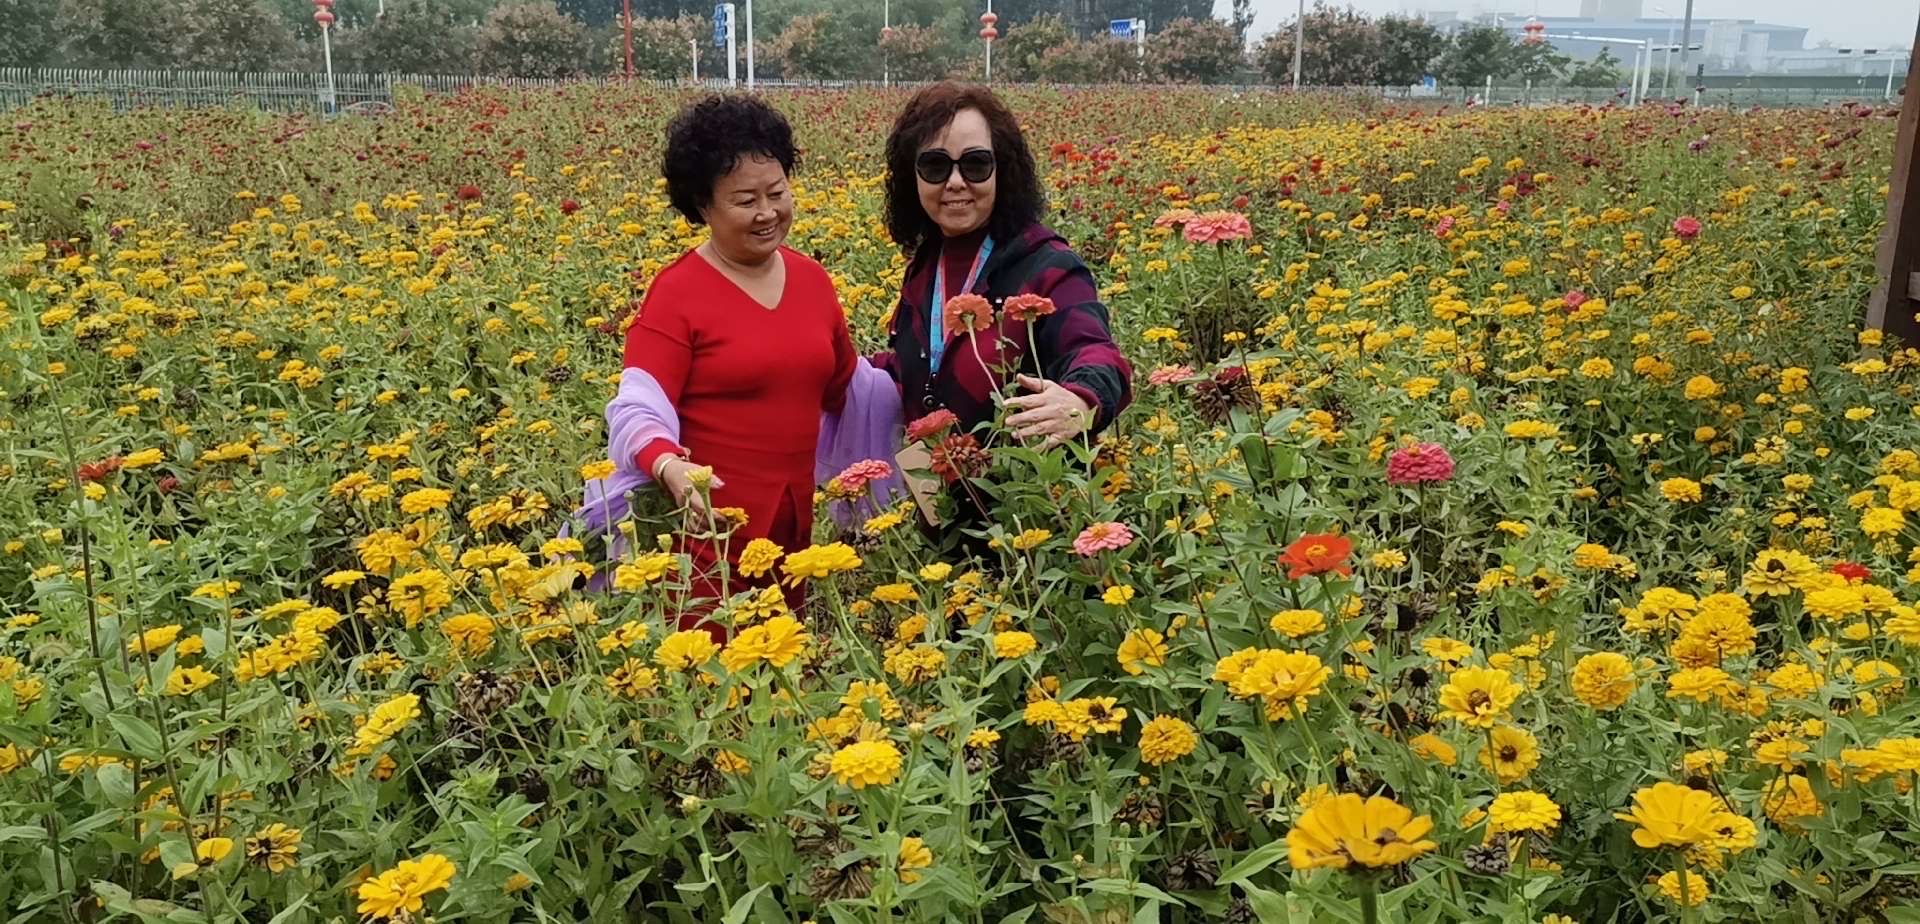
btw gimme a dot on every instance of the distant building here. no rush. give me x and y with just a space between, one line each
1723 46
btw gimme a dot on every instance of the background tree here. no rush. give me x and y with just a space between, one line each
1019 51
1539 62
29 39
415 37
1602 71
112 33
1194 51
1408 50
1476 54
920 53
1343 48
1242 20
1095 60
532 39
663 48
812 48
230 35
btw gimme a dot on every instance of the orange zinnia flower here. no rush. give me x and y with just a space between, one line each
967 312
1318 553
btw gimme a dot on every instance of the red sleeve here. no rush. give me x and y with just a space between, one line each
660 341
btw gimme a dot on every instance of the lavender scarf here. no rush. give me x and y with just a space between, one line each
868 427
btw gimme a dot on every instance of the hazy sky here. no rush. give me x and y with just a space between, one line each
1853 23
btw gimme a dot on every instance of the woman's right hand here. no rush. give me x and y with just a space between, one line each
684 482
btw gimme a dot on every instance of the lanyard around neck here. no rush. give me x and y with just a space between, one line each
937 320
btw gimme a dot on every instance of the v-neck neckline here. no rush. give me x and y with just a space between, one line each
785 281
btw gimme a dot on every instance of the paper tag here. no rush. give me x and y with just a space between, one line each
913 463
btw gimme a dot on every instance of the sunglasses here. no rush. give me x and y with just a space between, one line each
935 167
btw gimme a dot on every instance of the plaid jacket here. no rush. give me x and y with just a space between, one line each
1075 343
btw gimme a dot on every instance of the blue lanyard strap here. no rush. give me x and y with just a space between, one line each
937 322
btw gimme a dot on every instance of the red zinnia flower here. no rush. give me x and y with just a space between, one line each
1317 553
931 425
1687 227
94 471
959 457
967 312
168 484
1852 571
1027 306
467 193
568 206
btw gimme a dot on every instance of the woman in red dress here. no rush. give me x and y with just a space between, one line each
745 337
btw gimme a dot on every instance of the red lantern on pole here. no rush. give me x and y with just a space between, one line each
1536 32
323 12
987 31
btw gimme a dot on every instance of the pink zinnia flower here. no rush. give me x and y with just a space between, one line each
1444 227
1170 375
1419 464
1573 299
1173 217
1102 537
1687 227
857 476
1218 228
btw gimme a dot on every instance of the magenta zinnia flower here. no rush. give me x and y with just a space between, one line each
1102 537
1687 227
1419 464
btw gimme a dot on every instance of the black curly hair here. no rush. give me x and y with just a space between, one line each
707 139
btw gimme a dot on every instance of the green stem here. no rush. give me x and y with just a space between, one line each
1369 899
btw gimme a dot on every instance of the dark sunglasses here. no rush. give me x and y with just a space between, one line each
976 166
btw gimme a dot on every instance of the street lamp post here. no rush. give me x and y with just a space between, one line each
987 34
1299 41
323 14
749 46
886 43
1686 37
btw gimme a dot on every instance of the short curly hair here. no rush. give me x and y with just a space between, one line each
707 139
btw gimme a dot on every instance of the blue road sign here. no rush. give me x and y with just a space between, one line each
1121 28
719 25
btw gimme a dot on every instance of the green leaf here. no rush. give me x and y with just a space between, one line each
141 738
1135 889
22 833
1268 907
287 914
743 906
1262 857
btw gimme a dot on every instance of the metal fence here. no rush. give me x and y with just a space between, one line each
308 92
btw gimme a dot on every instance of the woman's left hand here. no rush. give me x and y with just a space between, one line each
1051 412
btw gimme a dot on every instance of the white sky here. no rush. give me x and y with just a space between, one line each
1853 23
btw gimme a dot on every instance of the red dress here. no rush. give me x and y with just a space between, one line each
749 385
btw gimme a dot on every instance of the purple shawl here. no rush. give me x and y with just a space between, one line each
868 427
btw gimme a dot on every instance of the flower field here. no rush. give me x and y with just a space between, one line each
1512 524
